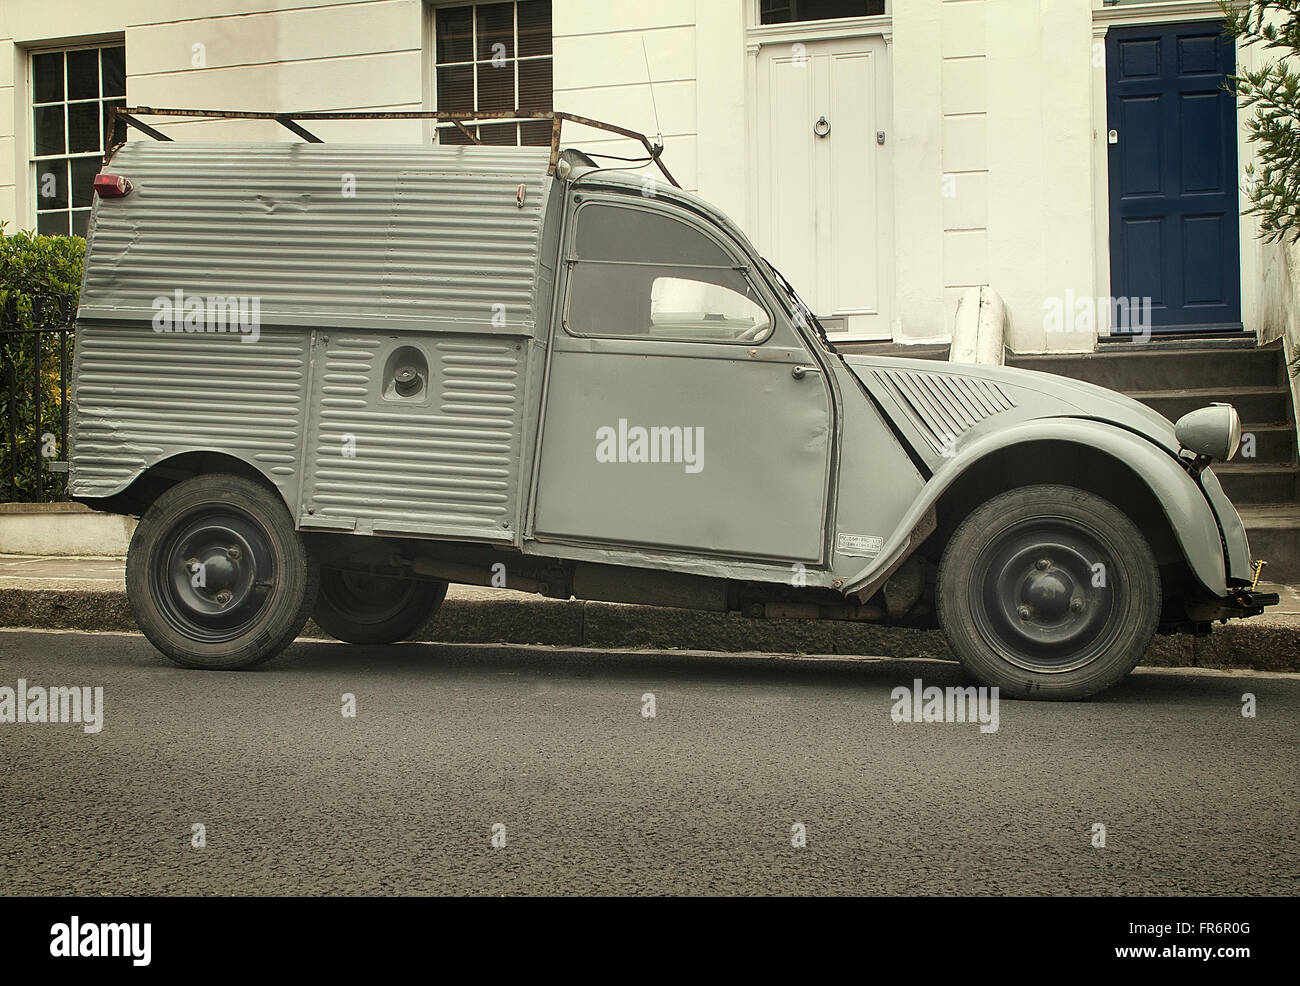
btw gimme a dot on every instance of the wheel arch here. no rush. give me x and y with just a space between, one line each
162 475
1141 479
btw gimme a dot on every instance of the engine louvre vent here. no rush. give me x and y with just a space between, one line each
943 406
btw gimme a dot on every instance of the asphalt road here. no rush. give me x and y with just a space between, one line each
449 740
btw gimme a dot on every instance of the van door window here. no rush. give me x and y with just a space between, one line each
646 274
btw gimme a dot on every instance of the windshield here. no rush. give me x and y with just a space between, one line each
802 313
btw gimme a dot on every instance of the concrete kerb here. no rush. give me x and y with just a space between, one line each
486 617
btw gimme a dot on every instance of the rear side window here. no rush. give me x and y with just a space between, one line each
638 273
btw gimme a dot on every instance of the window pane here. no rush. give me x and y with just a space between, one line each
52 184
536 133
689 308
83 74
456 88
49 130
535 27
496 86
496 26
454 30
113 71
83 127
501 134
679 303
535 85
612 233
85 83
52 223
119 128
453 135
84 170
785 11
47 77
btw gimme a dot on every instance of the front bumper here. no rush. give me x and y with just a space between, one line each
1251 602
1237 604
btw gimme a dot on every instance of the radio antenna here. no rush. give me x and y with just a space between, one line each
650 84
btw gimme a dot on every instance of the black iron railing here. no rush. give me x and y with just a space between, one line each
35 365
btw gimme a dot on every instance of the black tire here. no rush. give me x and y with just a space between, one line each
217 576
375 609
1018 599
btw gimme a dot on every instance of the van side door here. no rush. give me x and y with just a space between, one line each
683 411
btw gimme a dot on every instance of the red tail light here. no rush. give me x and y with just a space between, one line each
112 186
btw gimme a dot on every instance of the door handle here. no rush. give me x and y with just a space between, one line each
799 372
822 127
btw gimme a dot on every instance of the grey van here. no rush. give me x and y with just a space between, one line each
332 379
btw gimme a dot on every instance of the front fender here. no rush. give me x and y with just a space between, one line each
1190 517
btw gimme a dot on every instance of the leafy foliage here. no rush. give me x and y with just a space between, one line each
1274 91
40 281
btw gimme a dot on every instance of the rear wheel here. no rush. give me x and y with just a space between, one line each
1048 592
375 609
216 575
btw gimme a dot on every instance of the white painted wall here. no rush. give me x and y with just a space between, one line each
920 266
601 51
63 529
1041 213
997 132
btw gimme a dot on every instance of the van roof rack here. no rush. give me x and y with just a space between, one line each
293 121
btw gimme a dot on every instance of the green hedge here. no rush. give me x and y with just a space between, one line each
40 280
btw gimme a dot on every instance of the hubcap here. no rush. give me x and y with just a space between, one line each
1044 595
214 574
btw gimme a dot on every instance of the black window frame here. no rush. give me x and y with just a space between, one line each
77 200
536 133
769 9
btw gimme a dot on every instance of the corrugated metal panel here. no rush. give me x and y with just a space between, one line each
943 406
449 464
142 396
351 235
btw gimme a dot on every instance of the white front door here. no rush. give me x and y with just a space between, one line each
825 212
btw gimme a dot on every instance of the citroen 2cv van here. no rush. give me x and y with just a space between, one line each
332 379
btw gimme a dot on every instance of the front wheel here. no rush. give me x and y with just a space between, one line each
375 609
1048 592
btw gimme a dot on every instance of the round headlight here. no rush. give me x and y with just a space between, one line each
1214 431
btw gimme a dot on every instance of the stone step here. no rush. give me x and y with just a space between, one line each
1274 532
1270 443
1165 369
1250 483
1257 406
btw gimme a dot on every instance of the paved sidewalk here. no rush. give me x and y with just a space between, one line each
107 575
89 594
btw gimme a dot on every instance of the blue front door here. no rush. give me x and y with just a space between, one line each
1173 176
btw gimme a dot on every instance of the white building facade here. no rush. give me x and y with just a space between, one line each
887 155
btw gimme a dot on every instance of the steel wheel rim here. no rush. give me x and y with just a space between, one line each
214 574
1035 599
